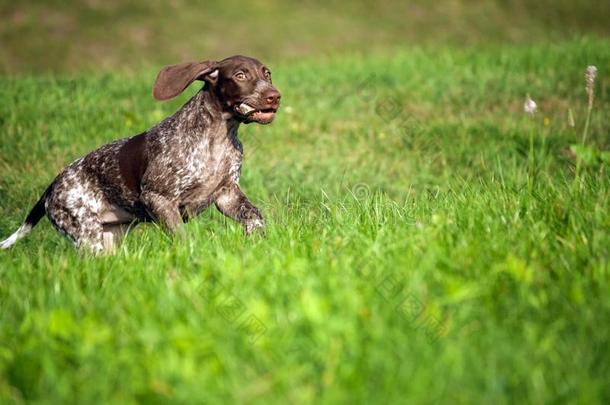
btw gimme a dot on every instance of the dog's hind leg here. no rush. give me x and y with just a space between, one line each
75 207
116 222
81 226
113 234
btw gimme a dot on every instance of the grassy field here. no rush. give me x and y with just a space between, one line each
427 241
108 35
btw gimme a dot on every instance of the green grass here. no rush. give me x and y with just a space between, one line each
417 249
106 35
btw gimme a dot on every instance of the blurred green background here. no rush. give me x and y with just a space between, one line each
105 35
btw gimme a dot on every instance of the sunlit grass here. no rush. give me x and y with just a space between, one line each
414 252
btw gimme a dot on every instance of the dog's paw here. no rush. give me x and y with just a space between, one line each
255 225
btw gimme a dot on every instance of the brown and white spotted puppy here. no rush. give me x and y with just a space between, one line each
172 171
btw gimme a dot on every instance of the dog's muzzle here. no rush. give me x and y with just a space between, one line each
251 114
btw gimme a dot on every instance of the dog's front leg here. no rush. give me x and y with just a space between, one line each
163 210
232 202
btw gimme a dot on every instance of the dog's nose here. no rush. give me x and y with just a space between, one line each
272 97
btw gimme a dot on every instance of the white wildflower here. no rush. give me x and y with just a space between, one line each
590 74
529 106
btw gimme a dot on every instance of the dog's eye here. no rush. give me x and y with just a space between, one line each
267 74
240 76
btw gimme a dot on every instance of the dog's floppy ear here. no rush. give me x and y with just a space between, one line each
172 80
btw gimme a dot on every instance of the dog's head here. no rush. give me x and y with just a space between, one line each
241 84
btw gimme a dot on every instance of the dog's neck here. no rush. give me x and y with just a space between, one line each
203 114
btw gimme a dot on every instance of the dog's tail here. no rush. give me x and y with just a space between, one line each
32 219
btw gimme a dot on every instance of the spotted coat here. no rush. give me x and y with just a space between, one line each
169 173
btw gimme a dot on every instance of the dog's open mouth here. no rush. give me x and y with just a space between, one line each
262 116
